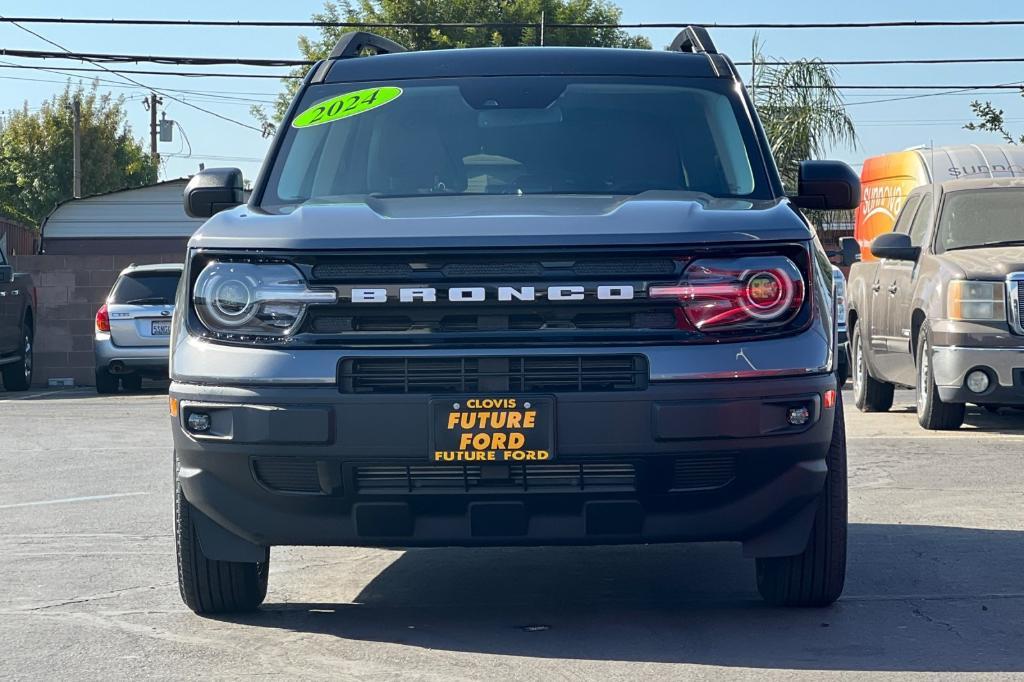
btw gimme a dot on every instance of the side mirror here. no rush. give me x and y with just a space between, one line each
849 250
6 274
214 190
894 246
827 186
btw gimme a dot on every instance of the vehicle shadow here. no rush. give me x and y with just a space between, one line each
918 598
81 393
1007 420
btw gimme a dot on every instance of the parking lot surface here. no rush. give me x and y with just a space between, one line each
935 580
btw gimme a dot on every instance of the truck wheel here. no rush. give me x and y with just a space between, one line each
816 576
208 586
105 381
18 375
932 413
869 394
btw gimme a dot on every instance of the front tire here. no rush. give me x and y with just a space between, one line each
816 576
932 413
208 586
869 394
18 375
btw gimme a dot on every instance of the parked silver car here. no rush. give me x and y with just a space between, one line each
133 328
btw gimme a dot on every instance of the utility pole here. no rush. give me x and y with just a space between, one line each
154 101
76 146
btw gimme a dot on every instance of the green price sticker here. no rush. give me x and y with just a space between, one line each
344 106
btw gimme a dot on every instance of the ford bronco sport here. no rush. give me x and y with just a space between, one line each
518 296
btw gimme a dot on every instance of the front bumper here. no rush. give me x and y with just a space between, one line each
689 461
129 359
1005 367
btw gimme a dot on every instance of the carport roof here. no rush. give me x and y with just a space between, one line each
150 211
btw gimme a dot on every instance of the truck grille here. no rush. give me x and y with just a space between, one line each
1015 292
520 478
558 373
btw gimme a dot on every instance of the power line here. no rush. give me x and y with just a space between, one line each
972 90
641 25
226 95
100 58
887 62
107 58
189 74
131 80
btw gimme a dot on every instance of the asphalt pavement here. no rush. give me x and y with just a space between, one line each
935 584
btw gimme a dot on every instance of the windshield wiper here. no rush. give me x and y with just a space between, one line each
152 300
985 245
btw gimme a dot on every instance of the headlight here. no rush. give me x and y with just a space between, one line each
977 301
759 292
264 299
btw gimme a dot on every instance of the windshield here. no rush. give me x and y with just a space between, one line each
146 288
516 135
977 218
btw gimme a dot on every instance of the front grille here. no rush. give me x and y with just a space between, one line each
491 322
557 373
391 479
1015 286
287 475
704 472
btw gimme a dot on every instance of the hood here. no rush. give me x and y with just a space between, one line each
990 263
514 221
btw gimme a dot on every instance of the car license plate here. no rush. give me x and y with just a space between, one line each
480 429
161 328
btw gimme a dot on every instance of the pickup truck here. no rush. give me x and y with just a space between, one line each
17 326
941 310
522 296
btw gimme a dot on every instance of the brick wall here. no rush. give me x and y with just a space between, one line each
69 290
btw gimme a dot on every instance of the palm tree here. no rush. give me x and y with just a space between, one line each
801 109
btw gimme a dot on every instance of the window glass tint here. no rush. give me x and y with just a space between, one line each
973 218
522 135
922 220
907 215
146 288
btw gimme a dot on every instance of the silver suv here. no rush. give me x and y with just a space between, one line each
133 328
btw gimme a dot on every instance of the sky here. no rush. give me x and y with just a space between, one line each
881 126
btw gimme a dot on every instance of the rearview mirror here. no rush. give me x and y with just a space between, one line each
827 186
849 250
894 246
6 274
214 190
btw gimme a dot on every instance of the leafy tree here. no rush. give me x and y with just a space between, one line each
460 11
36 153
993 120
801 109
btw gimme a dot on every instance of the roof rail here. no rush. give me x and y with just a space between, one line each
363 44
693 39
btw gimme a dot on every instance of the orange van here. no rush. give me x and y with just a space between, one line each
886 180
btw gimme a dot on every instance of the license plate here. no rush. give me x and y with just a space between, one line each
480 429
161 328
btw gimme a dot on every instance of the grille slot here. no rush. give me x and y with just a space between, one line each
409 479
564 373
706 472
287 475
